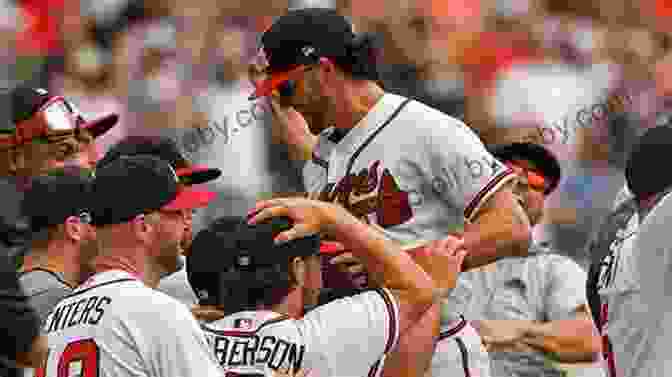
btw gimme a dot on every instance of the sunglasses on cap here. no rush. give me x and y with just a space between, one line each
56 116
535 179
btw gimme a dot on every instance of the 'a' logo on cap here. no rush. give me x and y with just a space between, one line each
41 91
308 50
177 179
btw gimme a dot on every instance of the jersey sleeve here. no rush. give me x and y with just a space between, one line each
565 290
462 171
19 324
183 347
354 333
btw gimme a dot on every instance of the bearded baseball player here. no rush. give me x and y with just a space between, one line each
634 278
175 284
408 170
116 323
268 269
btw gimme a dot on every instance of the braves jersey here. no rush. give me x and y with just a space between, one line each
622 330
115 326
344 338
412 171
651 355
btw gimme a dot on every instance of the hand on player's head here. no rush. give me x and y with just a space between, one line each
310 216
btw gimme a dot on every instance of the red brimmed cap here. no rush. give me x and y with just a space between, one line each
189 198
100 125
132 185
197 174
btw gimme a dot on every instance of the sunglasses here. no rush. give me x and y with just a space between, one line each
56 116
288 87
535 179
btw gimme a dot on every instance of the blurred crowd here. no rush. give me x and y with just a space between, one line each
533 70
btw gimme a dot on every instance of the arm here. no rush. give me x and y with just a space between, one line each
36 356
412 288
570 333
499 228
469 178
570 340
19 324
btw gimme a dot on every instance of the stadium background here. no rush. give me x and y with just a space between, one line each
581 77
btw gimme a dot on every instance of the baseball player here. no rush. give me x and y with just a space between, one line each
20 342
633 281
176 284
268 270
599 246
531 307
63 240
115 323
45 132
409 170
48 131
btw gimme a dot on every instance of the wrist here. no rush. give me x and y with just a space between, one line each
339 223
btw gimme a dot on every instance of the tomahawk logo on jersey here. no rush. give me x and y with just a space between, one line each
418 175
347 337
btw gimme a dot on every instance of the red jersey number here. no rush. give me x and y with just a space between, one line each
79 358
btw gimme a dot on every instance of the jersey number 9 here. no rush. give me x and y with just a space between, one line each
79 359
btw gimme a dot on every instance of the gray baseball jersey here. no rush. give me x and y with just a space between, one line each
44 289
344 338
115 326
411 171
623 330
650 322
540 287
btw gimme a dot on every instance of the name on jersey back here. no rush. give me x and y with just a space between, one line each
87 311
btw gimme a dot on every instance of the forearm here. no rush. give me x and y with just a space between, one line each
572 340
300 142
502 229
384 259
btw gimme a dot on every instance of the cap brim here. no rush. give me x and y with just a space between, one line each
189 198
101 125
266 87
330 247
198 174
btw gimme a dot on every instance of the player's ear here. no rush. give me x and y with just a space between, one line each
74 228
297 270
327 71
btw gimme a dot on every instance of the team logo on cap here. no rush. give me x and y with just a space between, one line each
308 50
244 260
41 91
177 179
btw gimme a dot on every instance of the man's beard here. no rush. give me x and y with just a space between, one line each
169 257
89 249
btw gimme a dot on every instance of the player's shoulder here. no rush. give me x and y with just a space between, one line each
424 115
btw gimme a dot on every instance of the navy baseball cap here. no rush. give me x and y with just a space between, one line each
542 158
230 244
300 38
51 199
24 103
166 149
132 185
